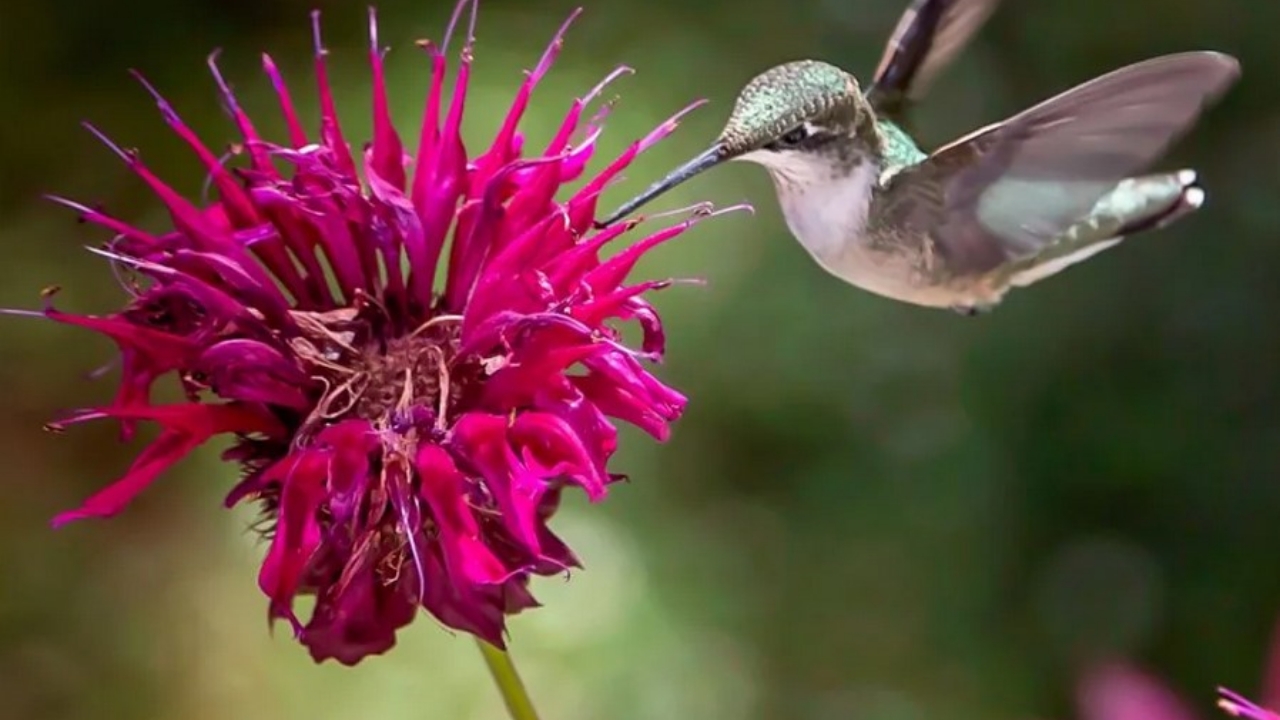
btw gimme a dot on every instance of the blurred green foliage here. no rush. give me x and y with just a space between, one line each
871 511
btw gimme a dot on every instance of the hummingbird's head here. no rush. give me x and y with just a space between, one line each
793 107
788 118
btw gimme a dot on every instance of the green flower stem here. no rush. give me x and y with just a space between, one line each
516 698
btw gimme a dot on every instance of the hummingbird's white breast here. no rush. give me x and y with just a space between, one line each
828 209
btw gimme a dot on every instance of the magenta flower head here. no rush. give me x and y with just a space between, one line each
414 354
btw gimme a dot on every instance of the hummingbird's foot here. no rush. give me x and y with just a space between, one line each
971 310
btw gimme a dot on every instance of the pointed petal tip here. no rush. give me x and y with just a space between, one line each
701 209
20 312
698 281
453 25
1237 705
608 80
63 519
68 203
317 38
136 74
612 220
558 39
691 107
224 88
111 145
696 212
669 125
471 25
740 207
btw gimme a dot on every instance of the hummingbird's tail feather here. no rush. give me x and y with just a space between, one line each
1185 193
1135 205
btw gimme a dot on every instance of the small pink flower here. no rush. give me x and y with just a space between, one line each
1122 692
414 354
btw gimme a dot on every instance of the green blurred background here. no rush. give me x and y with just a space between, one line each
871 511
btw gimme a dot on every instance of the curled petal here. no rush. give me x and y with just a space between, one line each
467 559
477 609
516 488
301 478
251 371
357 619
551 448
351 445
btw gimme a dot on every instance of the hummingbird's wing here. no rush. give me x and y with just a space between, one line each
927 38
1004 192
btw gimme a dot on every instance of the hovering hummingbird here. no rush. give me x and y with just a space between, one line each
1004 206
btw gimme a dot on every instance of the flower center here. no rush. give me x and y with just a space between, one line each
415 379
410 371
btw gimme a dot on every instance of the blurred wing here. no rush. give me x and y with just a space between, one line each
1004 192
926 39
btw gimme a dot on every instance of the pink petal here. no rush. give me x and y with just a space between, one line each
1122 692
467 558
186 427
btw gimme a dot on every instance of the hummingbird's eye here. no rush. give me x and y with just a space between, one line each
794 137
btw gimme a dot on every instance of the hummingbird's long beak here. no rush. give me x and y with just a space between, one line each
708 159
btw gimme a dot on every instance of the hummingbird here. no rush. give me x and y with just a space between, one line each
1005 206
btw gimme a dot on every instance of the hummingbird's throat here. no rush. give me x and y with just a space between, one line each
826 205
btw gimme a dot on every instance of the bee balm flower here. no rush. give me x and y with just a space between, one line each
406 410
